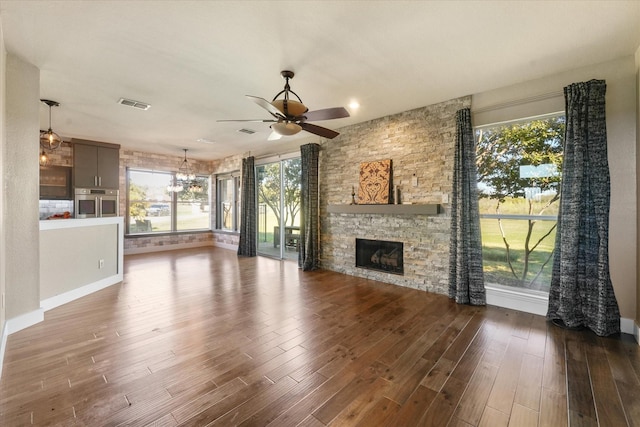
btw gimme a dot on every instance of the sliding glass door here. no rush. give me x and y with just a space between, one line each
278 188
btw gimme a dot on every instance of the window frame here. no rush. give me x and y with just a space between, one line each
174 202
515 216
234 178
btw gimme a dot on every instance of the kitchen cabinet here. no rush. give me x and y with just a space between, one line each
95 164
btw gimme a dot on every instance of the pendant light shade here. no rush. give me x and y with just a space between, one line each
49 139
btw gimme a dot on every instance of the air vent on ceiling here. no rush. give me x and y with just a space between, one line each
134 104
247 131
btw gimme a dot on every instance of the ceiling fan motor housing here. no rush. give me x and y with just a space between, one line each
290 108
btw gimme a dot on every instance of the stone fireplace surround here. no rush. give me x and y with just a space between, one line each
420 143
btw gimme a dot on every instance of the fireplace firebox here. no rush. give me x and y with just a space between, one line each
380 255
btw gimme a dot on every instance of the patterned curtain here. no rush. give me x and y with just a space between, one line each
308 256
466 280
247 245
581 293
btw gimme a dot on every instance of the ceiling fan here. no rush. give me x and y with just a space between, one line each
291 116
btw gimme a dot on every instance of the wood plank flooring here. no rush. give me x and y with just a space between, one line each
200 337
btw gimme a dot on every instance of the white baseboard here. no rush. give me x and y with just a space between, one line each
536 302
162 248
23 321
16 324
74 294
3 346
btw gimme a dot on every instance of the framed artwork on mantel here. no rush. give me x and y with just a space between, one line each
375 183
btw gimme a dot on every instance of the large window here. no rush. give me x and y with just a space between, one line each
228 202
519 171
153 208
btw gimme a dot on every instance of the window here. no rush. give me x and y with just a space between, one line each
519 171
228 203
152 208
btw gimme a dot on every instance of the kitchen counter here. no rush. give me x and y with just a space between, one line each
56 224
79 257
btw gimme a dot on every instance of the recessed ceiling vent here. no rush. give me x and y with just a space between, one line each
247 131
135 104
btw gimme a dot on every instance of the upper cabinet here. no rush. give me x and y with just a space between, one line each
95 164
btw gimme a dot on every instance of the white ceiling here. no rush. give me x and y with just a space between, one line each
194 61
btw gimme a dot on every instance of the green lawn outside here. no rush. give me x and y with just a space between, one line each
497 270
189 218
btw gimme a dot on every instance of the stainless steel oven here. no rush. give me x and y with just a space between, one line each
95 202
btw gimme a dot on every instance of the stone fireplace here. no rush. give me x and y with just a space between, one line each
421 145
381 255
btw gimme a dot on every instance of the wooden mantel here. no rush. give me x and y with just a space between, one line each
422 209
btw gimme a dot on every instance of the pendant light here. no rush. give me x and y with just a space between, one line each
49 139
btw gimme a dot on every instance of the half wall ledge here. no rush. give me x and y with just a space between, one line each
422 209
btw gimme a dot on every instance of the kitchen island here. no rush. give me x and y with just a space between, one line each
79 257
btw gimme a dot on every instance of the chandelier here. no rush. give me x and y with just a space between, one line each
185 178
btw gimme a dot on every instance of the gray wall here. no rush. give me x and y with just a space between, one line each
69 257
419 142
20 179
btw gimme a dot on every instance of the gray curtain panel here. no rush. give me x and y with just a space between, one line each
308 256
247 245
581 293
466 279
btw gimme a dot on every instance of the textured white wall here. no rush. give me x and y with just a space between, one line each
3 252
620 76
637 181
20 182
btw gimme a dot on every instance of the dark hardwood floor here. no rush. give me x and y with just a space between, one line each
200 337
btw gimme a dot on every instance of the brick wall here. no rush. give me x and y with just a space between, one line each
419 142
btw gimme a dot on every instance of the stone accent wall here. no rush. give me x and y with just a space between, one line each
420 143
142 244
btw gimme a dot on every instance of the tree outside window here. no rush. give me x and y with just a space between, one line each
519 171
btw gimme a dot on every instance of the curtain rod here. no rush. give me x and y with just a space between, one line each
517 102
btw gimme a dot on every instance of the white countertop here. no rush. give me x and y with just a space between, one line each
57 224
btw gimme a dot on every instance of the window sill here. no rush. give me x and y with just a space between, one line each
166 233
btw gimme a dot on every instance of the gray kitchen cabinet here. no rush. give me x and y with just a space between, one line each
95 165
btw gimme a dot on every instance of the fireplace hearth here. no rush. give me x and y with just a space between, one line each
380 255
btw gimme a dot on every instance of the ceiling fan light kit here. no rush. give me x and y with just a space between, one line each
286 129
291 116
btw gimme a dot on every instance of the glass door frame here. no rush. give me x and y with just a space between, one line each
281 159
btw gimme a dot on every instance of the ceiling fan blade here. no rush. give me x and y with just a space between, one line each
249 120
326 114
266 105
319 130
274 136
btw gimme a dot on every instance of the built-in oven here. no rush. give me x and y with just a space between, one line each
95 202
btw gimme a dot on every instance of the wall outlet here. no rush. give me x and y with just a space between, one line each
101 263
414 181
